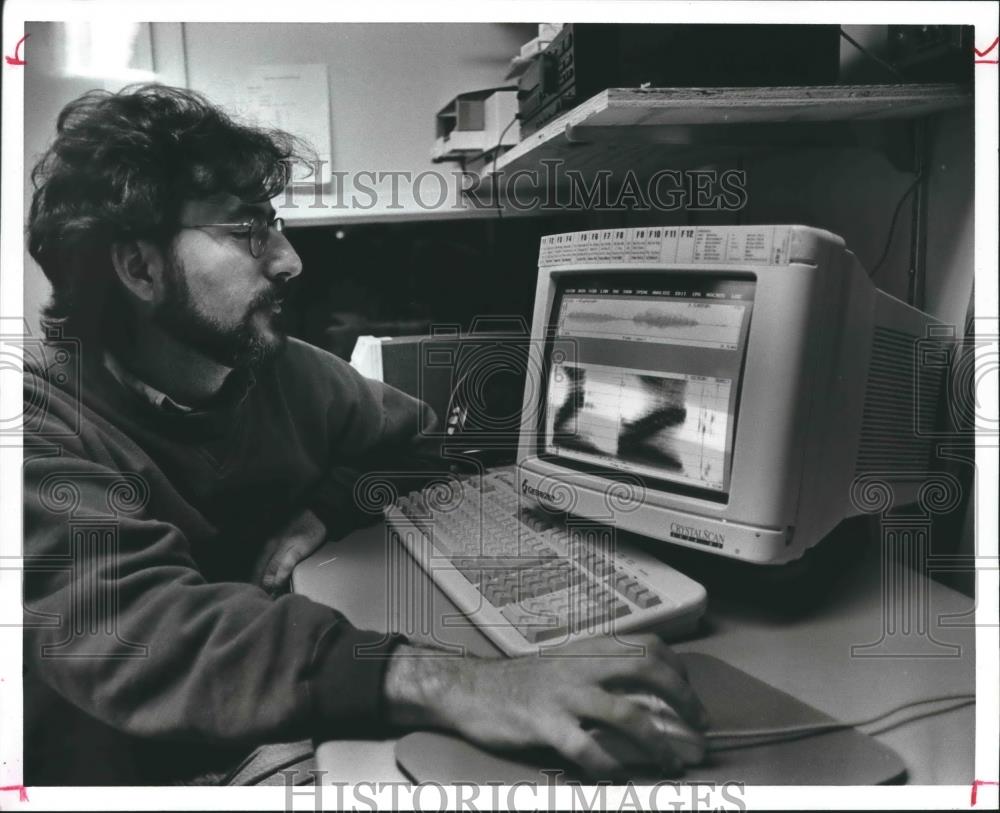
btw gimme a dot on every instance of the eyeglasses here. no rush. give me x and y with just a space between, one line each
258 229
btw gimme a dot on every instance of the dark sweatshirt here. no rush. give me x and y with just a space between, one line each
148 655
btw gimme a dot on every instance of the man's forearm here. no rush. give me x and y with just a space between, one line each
417 685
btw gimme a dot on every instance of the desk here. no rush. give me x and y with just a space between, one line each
809 657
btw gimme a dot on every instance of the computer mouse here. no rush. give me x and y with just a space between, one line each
687 743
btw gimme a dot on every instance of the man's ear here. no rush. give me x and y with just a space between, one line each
140 267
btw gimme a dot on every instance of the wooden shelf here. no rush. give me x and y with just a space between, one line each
616 129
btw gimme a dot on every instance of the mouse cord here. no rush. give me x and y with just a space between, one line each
769 735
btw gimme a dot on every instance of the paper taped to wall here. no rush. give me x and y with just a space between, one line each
295 98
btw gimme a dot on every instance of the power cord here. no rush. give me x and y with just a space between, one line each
456 415
496 155
876 59
892 224
722 740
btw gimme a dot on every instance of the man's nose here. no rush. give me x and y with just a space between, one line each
282 261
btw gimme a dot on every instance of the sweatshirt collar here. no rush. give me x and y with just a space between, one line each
233 391
147 392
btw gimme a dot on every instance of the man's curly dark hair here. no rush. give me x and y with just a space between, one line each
121 167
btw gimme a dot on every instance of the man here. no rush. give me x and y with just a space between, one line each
168 498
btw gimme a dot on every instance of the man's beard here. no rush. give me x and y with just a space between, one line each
241 345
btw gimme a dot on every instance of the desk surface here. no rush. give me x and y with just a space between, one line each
877 642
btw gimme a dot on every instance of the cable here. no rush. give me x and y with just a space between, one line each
463 411
892 224
496 154
931 713
499 144
878 60
772 735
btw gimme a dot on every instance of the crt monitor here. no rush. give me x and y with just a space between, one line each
739 390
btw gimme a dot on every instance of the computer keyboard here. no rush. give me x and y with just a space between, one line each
527 578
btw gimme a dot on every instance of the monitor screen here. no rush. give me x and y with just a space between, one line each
643 375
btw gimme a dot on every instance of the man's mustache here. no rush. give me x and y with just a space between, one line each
268 298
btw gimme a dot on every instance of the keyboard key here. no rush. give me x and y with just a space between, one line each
633 588
495 563
620 609
586 619
536 635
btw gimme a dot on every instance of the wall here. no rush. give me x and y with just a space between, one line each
387 82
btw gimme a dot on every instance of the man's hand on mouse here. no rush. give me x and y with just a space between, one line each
551 701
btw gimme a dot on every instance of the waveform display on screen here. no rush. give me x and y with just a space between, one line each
652 317
670 426
706 324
